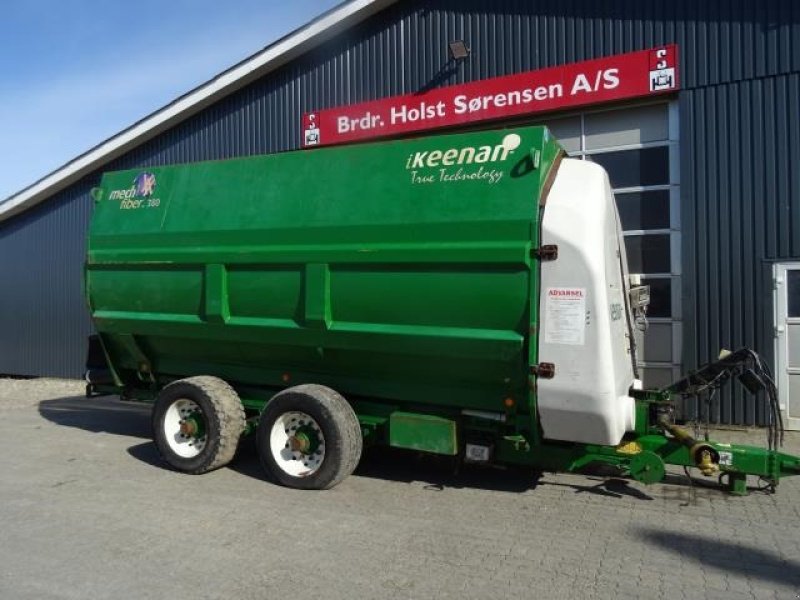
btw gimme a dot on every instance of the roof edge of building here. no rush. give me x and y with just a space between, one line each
259 64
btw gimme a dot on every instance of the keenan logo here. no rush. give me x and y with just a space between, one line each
144 184
466 155
468 163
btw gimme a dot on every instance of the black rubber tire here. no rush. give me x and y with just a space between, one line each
339 425
224 418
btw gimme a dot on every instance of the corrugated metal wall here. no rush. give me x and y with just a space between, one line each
741 212
43 317
740 147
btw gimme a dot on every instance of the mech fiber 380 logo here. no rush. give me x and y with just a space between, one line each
144 184
454 164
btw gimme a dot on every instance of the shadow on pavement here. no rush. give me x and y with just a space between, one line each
147 453
245 462
610 488
385 464
101 414
111 415
440 472
735 558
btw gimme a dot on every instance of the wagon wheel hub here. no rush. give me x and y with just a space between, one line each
300 442
190 427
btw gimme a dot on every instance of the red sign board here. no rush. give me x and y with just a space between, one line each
631 75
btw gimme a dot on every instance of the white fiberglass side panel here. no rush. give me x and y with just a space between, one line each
583 328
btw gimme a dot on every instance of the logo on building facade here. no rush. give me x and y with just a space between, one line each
662 70
312 131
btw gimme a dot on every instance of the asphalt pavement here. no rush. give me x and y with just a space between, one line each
87 510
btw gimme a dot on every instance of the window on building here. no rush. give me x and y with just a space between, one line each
637 146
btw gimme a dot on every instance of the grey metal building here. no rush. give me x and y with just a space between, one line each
707 178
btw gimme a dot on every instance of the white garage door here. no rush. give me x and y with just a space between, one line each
638 146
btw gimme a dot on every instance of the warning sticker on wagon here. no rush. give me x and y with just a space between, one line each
565 316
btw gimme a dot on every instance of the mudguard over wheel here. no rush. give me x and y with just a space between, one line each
197 423
309 438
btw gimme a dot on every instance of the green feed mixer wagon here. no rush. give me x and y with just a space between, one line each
465 295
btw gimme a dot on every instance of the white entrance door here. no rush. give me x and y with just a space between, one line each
787 341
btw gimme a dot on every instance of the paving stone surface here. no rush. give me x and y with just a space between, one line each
87 510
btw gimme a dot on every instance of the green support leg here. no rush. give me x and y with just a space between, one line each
737 484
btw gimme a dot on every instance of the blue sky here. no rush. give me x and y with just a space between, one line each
75 72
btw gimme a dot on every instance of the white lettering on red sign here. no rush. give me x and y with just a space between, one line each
631 75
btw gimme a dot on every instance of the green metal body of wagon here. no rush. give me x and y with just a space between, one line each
405 275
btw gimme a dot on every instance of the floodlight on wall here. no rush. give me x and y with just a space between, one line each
458 49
